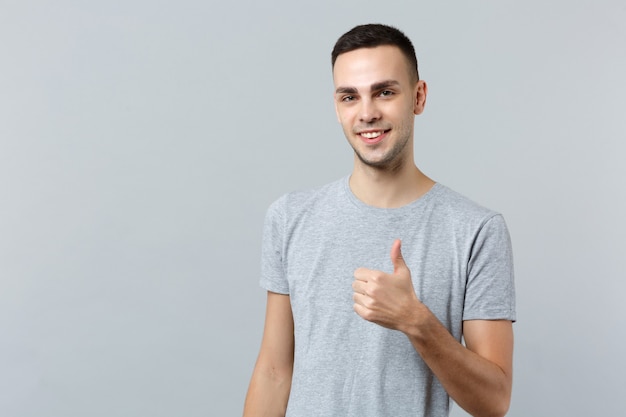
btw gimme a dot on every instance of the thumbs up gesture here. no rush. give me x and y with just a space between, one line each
386 299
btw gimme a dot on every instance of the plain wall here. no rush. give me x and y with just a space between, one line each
142 141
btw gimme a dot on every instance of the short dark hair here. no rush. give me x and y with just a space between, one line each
373 35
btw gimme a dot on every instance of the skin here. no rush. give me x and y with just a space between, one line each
271 380
376 93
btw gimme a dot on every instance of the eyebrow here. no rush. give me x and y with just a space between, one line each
345 90
374 87
384 84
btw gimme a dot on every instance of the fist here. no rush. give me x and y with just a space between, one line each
388 300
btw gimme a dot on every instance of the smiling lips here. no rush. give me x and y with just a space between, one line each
372 136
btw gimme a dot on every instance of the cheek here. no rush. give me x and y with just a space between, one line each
345 116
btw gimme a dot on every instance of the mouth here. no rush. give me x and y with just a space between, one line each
373 136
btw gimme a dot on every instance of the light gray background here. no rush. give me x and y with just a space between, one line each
142 141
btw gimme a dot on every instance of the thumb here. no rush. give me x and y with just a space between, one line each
396 256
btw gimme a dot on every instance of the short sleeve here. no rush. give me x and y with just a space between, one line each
490 290
273 277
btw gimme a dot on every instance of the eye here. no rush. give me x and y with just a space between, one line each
386 93
347 98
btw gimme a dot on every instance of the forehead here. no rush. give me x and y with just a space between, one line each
365 66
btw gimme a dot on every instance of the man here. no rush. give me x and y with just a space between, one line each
374 280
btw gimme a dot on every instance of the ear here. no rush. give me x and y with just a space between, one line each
421 91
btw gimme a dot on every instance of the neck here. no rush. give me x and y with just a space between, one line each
389 188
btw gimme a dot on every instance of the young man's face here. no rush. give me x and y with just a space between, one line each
376 100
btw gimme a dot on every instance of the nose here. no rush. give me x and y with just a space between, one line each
369 111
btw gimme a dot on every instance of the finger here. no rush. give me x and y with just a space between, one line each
396 256
362 274
359 309
359 286
360 299
363 311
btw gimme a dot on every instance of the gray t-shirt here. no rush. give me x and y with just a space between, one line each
459 254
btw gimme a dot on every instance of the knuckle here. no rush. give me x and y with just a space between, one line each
368 315
377 276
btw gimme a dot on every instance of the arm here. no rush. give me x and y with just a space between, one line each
271 379
479 376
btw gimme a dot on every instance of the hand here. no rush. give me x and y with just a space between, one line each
386 299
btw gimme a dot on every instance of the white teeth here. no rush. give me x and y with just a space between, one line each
371 135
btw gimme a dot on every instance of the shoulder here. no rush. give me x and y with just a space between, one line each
456 207
295 202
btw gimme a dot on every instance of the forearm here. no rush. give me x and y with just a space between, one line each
271 380
478 385
268 393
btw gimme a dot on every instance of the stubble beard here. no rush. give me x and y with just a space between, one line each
392 160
